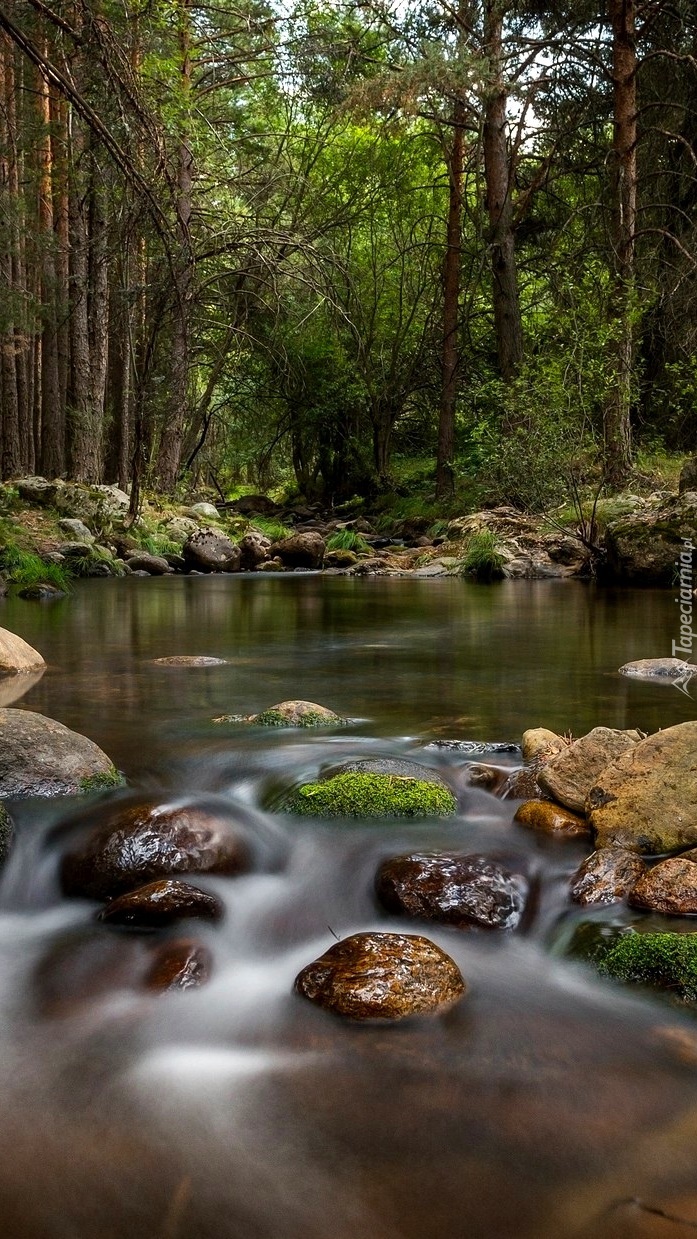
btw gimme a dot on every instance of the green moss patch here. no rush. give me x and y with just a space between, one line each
102 782
668 961
371 795
310 718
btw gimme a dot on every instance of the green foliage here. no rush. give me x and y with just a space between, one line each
347 540
25 568
160 544
353 794
668 961
270 528
483 558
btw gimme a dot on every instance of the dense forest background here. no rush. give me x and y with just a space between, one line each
326 244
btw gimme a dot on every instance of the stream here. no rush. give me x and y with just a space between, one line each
548 1104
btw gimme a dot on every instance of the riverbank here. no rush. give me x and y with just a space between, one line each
52 531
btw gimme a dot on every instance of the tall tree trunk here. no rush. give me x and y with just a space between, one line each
499 184
8 368
445 477
169 455
617 427
52 429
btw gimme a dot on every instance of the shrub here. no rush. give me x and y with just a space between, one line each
483 559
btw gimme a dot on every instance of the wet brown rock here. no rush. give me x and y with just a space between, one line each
539 743
301 550
490 778
83 966
210 551
147 842
467 891
161 903
646 800
522 784
569 776
671 887
606 876
181 964
551 818
382 976
658 669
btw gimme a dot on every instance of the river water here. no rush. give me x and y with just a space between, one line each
548 1104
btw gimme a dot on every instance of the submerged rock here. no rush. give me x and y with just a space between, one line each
210 551
490 778
468 891
297 714
354 794
668 961
180 965
382 976
607 875
40 757
669 887
161 903
646 800
43 591
658 669
146 842
551 818
16 656
189 660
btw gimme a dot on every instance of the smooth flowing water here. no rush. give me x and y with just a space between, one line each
546 1105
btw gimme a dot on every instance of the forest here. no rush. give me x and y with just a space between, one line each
326 247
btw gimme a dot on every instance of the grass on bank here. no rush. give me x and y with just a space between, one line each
25 568
347 540
483 559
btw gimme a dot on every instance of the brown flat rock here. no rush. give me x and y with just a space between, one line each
161 903
608 874
569 776
551 818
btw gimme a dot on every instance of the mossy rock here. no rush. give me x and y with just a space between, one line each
371 795
667 961
297 714
102 782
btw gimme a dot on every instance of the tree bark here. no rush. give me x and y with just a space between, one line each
8 368
617 425
498 174
170 449
445 476
52 429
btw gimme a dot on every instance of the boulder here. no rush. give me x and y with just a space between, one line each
271 565
382 976
147 842
255 505
179 965
161 903
179 528
43 591
40 757
569 776
340 559
468 891
643 548
646 800
204 511
301 550
77 529
154 565
37 490
607 875
16 656
357 794
666 961
489 778
297 714
658 669
254 549
669 887
551 819
688 476
76 550
539 744
209 551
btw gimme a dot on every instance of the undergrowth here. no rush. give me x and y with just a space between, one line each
25 568
347 540
483 559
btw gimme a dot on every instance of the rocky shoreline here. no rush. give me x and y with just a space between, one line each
78 530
